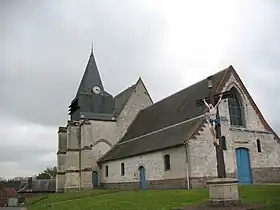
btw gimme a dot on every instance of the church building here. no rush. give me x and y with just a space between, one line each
127 141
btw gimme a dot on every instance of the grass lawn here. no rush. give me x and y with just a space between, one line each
150 199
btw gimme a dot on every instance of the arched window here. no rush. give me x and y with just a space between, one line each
167 162
259 145
224 143
235 109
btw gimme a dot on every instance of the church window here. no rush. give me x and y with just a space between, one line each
122 169
235 109
259 145
167 162
224 142
106 171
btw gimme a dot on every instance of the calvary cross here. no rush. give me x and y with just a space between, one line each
213 99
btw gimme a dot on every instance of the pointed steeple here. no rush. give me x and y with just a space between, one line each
91 100
90 78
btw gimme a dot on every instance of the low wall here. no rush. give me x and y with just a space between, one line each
266 175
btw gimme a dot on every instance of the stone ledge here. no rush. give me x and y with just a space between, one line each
62 129
242 129
72 123
77 149
60 173
222 181
61 153
88 169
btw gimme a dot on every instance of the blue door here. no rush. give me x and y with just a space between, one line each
143 181
94 178
243 166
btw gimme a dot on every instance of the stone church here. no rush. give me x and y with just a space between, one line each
127 141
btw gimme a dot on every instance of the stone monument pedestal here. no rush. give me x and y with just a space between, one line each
223 192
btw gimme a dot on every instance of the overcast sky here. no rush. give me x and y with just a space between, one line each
45 46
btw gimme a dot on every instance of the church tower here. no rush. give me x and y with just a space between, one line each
97 121
91 109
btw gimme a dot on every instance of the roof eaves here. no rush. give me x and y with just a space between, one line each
140 153
104 159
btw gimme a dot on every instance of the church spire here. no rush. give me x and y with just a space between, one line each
91 100
90 78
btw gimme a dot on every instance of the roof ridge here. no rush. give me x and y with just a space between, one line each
167 124
162 129
132 86
226 69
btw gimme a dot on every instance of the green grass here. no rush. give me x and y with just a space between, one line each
150 199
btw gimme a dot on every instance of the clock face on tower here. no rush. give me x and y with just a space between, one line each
96 89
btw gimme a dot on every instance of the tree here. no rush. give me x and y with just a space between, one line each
48 173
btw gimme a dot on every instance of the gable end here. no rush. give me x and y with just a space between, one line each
246 92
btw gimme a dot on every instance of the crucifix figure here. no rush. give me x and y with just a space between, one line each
212 120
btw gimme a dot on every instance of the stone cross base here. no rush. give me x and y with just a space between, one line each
223 192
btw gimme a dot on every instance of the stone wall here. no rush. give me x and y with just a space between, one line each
61 155
266 175
153 164
202 155
139 100
100 136
202 152
97 138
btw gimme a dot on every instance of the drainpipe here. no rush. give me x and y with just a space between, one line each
187 162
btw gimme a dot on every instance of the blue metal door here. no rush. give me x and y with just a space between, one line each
243 166
94 178
143 181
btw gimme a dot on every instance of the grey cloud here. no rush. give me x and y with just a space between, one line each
45 47
23 154
45 54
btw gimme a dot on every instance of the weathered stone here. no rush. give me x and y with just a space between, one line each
195 166
97 138
223 192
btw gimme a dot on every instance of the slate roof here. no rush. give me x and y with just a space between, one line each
121 99
91 77
86 104
172 110
165 138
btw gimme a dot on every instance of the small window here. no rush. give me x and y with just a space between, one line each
122 169
259 145
106 172
224 142
167 162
